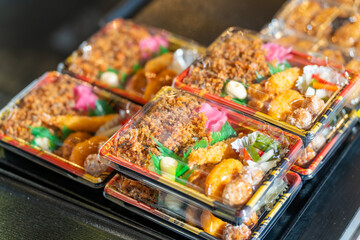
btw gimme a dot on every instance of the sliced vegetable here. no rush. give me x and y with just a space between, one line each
169 167
236 90
318 85
321 80
252 152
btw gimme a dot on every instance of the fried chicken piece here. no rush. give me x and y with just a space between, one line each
348 34
318 142
321 22
302 15
212 154
237 192
353 65
241 232
300 118
313 104
282 103
306 157
282 81
252 220
334 56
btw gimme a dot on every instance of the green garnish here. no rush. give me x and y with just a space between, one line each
163 50
252 152
101 108
200 144
181 168
223 93
112 70
185 178
156 160
259 78
123 78
279 68
65 132
42 132
240 101
165 151
225 132
136 67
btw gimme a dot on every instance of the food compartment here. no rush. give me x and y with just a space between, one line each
202 151
187 218
64 121
267 81
131 60
320 149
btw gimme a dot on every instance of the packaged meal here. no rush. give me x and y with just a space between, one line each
64 121
328 20
132 60
300 43
215 156
268 82
202 223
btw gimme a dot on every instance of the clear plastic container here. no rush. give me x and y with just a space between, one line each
202 151
61 122
270 82
130 60
326 21
193 222
320 150
304 45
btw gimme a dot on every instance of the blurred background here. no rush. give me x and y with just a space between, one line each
37 34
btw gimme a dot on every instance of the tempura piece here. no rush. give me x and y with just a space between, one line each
282 81
212 154
281 104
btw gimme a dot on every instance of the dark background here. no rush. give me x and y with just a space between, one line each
35 35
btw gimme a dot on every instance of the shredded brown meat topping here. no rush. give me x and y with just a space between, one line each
173 120
236 57
54 99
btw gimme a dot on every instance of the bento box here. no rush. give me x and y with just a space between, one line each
130 60
61 122
303 45
324 20
194 222
321 148
202 151
268 82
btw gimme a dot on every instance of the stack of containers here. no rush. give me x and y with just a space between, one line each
209 158
199 152
61 119
325 30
